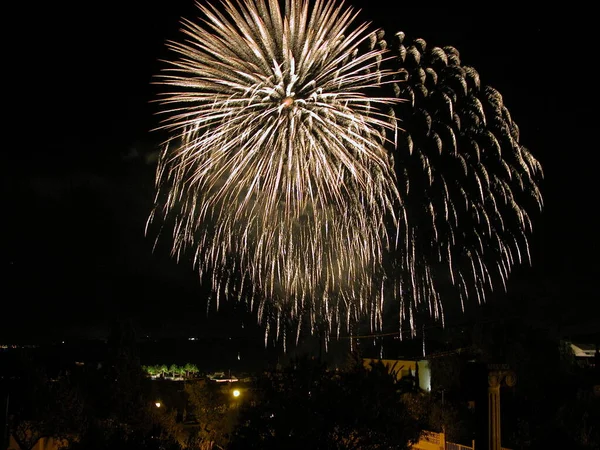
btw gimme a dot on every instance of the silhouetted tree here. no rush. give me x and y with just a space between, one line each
42 407
215 411
308 406
119 402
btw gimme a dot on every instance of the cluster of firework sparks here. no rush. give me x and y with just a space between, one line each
321 173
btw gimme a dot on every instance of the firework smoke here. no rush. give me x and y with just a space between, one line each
317 174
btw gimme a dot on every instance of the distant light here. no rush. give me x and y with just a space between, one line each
157 404
236 393
225 380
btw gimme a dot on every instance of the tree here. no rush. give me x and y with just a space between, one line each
190 369
119 402
579 418
163 369
42 407
308 406
214 409
154 370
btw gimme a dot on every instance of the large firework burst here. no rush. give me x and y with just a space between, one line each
289 181
466 181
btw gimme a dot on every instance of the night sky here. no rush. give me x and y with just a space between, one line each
77 178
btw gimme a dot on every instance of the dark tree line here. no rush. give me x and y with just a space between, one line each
309 406
113 405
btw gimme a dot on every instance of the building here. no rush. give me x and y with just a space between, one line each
585 354
403 368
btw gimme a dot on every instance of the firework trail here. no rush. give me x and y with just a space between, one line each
466 181
316 173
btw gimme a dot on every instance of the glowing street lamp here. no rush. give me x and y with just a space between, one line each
157 404
236 393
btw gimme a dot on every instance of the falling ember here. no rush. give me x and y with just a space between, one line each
397 174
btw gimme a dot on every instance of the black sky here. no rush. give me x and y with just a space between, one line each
78 183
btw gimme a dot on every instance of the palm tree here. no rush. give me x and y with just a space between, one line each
163 369
153 370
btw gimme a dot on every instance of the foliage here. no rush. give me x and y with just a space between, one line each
550 406
446 373
215 411
187 370
42 407
308 406
579 418
119 402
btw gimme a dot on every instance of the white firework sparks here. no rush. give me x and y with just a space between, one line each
290 183
279 177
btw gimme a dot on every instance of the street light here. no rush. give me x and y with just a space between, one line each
236 393
157 404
